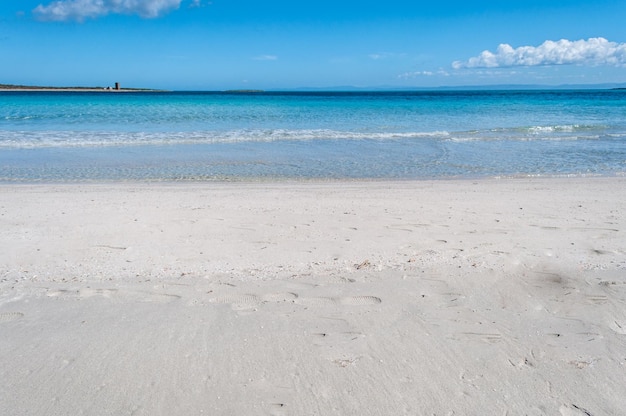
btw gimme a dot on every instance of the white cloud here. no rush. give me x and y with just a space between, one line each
63 10
416 74
385 55
593 52
265 58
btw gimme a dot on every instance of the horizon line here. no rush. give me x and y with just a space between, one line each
339 88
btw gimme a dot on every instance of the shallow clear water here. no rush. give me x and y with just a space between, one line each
64 136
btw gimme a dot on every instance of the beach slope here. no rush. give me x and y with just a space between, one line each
396 298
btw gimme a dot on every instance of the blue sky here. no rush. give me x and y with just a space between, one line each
232 44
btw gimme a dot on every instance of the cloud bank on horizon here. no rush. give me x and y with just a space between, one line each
593 52
79 10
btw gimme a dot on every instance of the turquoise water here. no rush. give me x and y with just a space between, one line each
64 136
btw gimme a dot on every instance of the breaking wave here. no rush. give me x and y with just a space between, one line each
47 138
38 139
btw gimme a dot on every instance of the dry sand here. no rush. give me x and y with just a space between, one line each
494 297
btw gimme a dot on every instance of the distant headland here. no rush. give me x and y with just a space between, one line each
114 88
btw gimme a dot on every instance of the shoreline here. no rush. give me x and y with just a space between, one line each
372 297
24 88
304 181
121 90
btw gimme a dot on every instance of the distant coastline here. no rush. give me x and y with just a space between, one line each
499 87
34 88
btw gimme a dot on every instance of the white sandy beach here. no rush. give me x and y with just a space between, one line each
490 297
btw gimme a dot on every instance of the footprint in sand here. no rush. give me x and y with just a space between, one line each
82 293
245 301
10 316
279 297
248 301
359 300
105 293
113 294
346 300
156 297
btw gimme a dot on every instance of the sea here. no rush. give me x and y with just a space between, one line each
242 136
